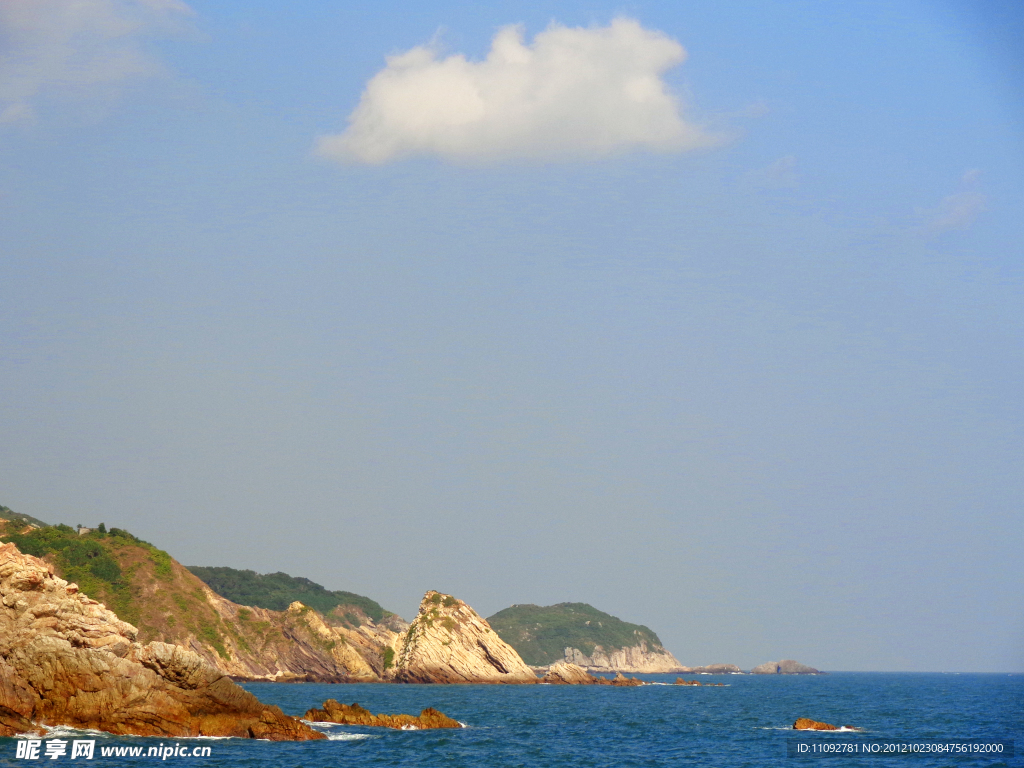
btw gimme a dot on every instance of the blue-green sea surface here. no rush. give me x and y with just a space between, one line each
746 722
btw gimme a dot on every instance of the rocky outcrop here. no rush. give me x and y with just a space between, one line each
67 660
449 642
713 669
621 680
570 674
333 712
784 667
564 673
633 658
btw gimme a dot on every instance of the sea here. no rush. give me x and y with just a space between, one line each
954 719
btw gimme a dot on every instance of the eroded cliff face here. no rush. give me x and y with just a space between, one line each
449 642
67 660
635 658
297 644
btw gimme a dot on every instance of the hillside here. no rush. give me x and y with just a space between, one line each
7 514
146 587
541 635
277 591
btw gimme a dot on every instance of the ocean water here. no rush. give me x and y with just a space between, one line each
746 722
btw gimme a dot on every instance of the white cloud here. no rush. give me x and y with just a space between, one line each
959 210
573 92
74 47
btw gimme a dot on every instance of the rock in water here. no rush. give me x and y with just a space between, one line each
784 667
564 673
333 712
449 642
806 724
627 682
66 660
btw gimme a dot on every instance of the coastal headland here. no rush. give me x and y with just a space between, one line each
68 658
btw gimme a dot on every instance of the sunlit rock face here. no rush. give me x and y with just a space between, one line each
449 642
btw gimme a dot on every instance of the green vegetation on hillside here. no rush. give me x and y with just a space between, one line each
6 513
540 634
277 591
90 561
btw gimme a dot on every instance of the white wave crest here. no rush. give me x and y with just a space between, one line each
349 736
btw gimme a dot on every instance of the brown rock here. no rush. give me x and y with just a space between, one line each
623 681
12 723
563 673
680 681
66 660
333 712
806 724
449 642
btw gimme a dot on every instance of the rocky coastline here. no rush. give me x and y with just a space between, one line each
65 659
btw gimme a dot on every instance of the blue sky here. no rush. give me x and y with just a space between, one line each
738 357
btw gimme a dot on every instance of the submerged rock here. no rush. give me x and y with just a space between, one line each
345 714
784 667
449 642
67 660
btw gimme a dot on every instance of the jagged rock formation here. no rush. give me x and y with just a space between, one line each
67 660
333 712
713 669
167 603
577 633
784 667
449 642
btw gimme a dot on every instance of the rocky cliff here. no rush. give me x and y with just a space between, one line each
167 603
632 658
784 667
67 660
579 634
449 642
